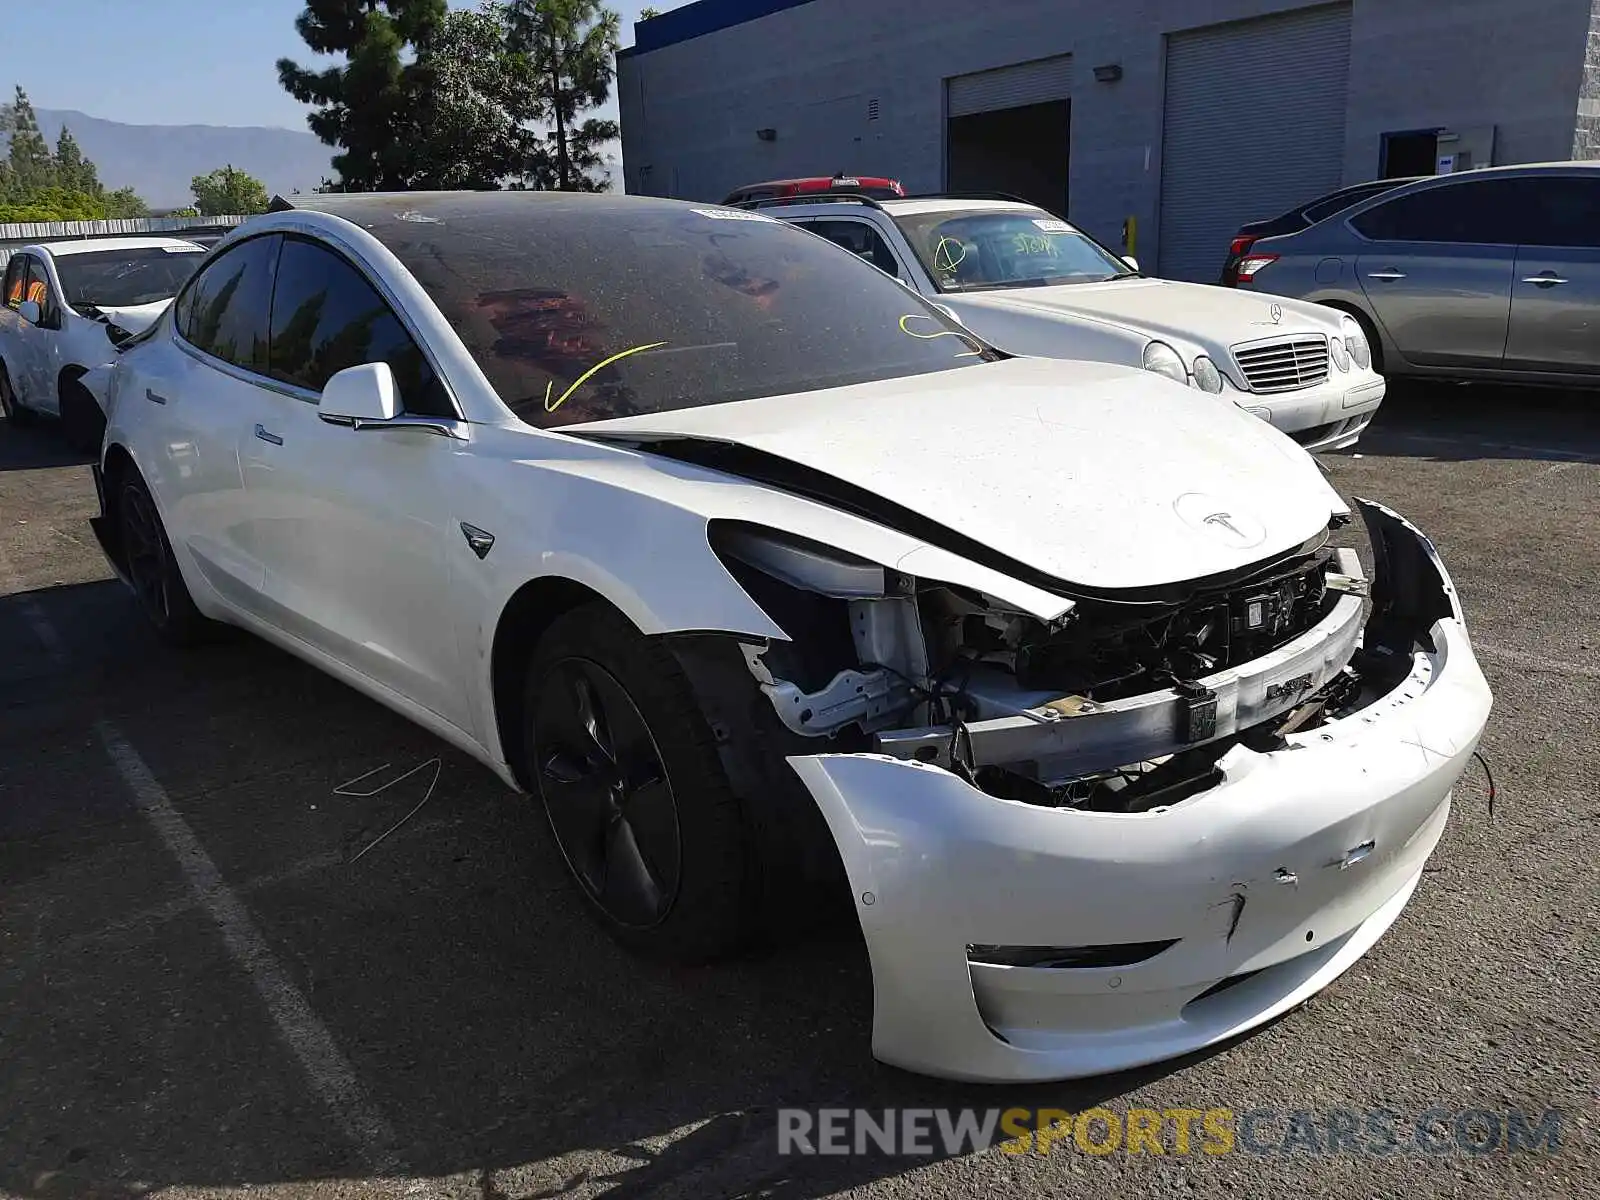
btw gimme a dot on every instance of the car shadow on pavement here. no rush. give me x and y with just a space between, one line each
1449 422
501 1038
36 447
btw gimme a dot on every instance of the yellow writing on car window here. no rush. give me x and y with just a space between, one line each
1033 243
966 339
582 379
947 255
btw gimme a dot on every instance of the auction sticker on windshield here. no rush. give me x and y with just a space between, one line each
729 214
1052 225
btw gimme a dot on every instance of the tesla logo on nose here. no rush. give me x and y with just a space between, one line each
1226 521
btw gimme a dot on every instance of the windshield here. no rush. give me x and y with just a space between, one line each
124 278
995 248
594 307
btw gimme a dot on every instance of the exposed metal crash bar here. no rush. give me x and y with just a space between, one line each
1104 736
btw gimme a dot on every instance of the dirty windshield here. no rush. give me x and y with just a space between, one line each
994 248
124 278
585 308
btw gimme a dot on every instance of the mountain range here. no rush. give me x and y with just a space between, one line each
158 161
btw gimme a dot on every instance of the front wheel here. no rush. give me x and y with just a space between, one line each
635 793
152 570
15 414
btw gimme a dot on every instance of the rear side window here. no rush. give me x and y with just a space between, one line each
861 240
1477 211
1340 201
1568 212
224 310
326 317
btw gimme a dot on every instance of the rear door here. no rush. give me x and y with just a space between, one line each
1555 296
1436 267
206 383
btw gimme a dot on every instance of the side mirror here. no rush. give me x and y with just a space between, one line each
1130 262
30 312
360 394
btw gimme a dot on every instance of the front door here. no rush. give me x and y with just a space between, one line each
356 522
1437 270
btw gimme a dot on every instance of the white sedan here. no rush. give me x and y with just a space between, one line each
1034 284
774 584
69 306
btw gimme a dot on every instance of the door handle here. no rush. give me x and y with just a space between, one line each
154 397
261 432
1548 279
1388 276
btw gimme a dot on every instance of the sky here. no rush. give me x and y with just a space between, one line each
170 62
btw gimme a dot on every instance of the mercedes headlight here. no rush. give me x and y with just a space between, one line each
1339 353
1163 360
1206 376
1356 342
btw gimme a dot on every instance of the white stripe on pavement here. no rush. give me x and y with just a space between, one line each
330 1073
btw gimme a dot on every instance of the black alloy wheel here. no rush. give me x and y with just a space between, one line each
145 554
606 792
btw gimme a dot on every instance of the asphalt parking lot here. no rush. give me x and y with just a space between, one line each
214 975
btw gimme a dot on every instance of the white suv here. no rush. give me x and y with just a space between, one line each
68 307
1033 284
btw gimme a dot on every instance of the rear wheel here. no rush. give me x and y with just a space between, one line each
157 582
634 791
15 414
81 419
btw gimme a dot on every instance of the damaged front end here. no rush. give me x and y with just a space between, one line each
1084 841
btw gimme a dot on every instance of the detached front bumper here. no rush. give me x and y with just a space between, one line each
1194 922
1330 416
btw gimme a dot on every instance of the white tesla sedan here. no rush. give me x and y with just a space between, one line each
772 583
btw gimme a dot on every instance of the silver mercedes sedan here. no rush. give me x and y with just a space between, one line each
1488 274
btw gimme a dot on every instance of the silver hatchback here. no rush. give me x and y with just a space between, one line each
1490 274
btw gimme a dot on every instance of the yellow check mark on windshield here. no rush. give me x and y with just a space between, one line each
584 378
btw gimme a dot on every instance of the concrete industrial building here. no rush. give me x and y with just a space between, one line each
1187 116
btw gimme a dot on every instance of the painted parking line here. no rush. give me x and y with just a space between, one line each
319 1055
331 1075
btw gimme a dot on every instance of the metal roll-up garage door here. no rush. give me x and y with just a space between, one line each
1035 82
1254 125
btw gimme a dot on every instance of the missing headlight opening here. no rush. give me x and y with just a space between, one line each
1122 705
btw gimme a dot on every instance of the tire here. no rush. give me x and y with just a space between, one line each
15 414
82 422
641 808
157 582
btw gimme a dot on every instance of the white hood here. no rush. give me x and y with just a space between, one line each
1214 317
1096 475
136 318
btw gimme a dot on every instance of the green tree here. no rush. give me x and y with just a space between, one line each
471 128
366 104
571 47
31 167
228 192
125 202
72 170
